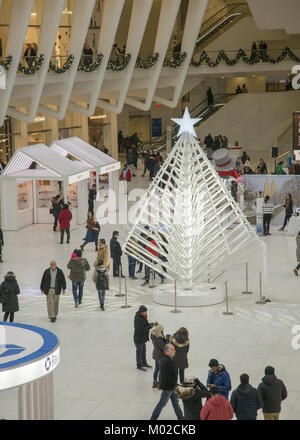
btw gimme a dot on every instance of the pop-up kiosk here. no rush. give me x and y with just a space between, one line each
27 189
100 162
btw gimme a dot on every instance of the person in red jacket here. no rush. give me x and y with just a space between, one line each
217 407
64 218
147 268
125 174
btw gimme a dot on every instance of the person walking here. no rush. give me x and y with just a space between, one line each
217 407
245 157
141 337
52 283
245 400
288 205
103 254
268 211
181 342
297 254
64 218
78 267
126 173
1 244
115 254
93 229
272 392
218 376
131 259
167 383
92 198
192 392
158 341
9 291
101 280
57 206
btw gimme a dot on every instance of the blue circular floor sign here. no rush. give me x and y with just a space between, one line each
26 354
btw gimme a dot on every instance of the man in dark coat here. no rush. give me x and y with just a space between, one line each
1 244
210 97
245 400
9 290
167 383
53 282
141 336
272 391
116 253
57 206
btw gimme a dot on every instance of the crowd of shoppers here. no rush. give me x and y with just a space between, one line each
171 357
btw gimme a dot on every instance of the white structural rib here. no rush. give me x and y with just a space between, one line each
194 17
197 227
51 18
138 21
109 25
167 17
19 20
81 20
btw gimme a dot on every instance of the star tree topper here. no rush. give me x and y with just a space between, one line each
186 123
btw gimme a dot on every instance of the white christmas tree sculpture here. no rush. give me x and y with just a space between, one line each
197 226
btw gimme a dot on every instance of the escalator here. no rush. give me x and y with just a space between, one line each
202 110
220 21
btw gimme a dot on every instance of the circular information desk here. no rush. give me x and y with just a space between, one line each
28 357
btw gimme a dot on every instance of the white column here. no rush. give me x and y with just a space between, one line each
113 185
35 207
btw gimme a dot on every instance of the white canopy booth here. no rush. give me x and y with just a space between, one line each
26 192
100 162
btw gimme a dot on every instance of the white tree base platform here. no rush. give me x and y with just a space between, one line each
203 294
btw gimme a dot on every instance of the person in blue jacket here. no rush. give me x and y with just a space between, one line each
218 376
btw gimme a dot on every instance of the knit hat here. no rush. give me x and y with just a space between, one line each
142 309
269 370
213 363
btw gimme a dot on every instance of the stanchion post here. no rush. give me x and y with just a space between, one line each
247 292
175 310
226 299
126 306
151 284
120 285
261 301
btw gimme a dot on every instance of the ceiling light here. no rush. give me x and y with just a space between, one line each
39 118
98 117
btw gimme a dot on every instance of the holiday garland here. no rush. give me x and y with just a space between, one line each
90 67
64 68
176 61
115 66
147 64
7 62
31 70
254 58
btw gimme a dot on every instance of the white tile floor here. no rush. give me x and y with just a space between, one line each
97 378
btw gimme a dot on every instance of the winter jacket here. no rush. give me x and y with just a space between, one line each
78 268
167 373
100 278
181 344
128 175
221 379
1 238
217 408
60 282
115 248
192 399
64 218
9 290
289 208
130 156
56 207
245 401
272 391
141 329
298 247
158 347
103 255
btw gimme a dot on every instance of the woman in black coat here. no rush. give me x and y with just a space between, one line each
9 290
181 342
288 205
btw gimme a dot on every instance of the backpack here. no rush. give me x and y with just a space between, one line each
102 281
